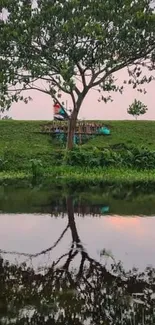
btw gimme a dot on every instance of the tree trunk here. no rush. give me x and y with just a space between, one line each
71 129
71 220
73 119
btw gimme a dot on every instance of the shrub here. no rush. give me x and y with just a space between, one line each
131 158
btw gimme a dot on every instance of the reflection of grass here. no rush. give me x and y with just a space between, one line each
121 200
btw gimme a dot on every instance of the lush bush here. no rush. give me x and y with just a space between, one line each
137 108
3 164
133 157
126 157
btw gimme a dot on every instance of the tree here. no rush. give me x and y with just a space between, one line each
6 117
71 52
137 108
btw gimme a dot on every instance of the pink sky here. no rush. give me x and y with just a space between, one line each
41 108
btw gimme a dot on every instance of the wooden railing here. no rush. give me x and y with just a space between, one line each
81 127
83 130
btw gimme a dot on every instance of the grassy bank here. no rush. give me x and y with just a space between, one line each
23 138
118 157
81 177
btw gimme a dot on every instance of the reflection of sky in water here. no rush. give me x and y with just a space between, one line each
130 239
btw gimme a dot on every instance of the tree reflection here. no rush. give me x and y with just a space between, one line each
90 293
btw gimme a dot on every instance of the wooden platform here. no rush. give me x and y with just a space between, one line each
84 128
83 131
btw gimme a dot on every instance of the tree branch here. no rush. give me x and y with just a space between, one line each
82 74
116 68
77 90
31 88
73 99
40 253
58 85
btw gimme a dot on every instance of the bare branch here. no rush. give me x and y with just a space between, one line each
30 88
37 254
81 266
69 260
77 90
59 259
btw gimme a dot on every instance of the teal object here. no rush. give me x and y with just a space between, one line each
75 139
105 209
104 130
62 112
61 137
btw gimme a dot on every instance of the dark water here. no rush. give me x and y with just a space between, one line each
77 258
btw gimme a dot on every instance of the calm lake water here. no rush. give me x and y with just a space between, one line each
72 256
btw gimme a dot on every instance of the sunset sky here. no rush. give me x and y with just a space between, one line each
41 108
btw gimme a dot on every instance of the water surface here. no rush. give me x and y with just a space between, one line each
130 239
79 251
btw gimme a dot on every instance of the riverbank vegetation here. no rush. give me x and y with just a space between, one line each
128 154
81 177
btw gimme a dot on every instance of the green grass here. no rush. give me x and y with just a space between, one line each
96 176
130 133
21 141
22 138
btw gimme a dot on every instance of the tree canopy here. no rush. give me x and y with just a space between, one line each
74 46
137 108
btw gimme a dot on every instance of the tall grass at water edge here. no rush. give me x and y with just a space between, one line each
81 177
